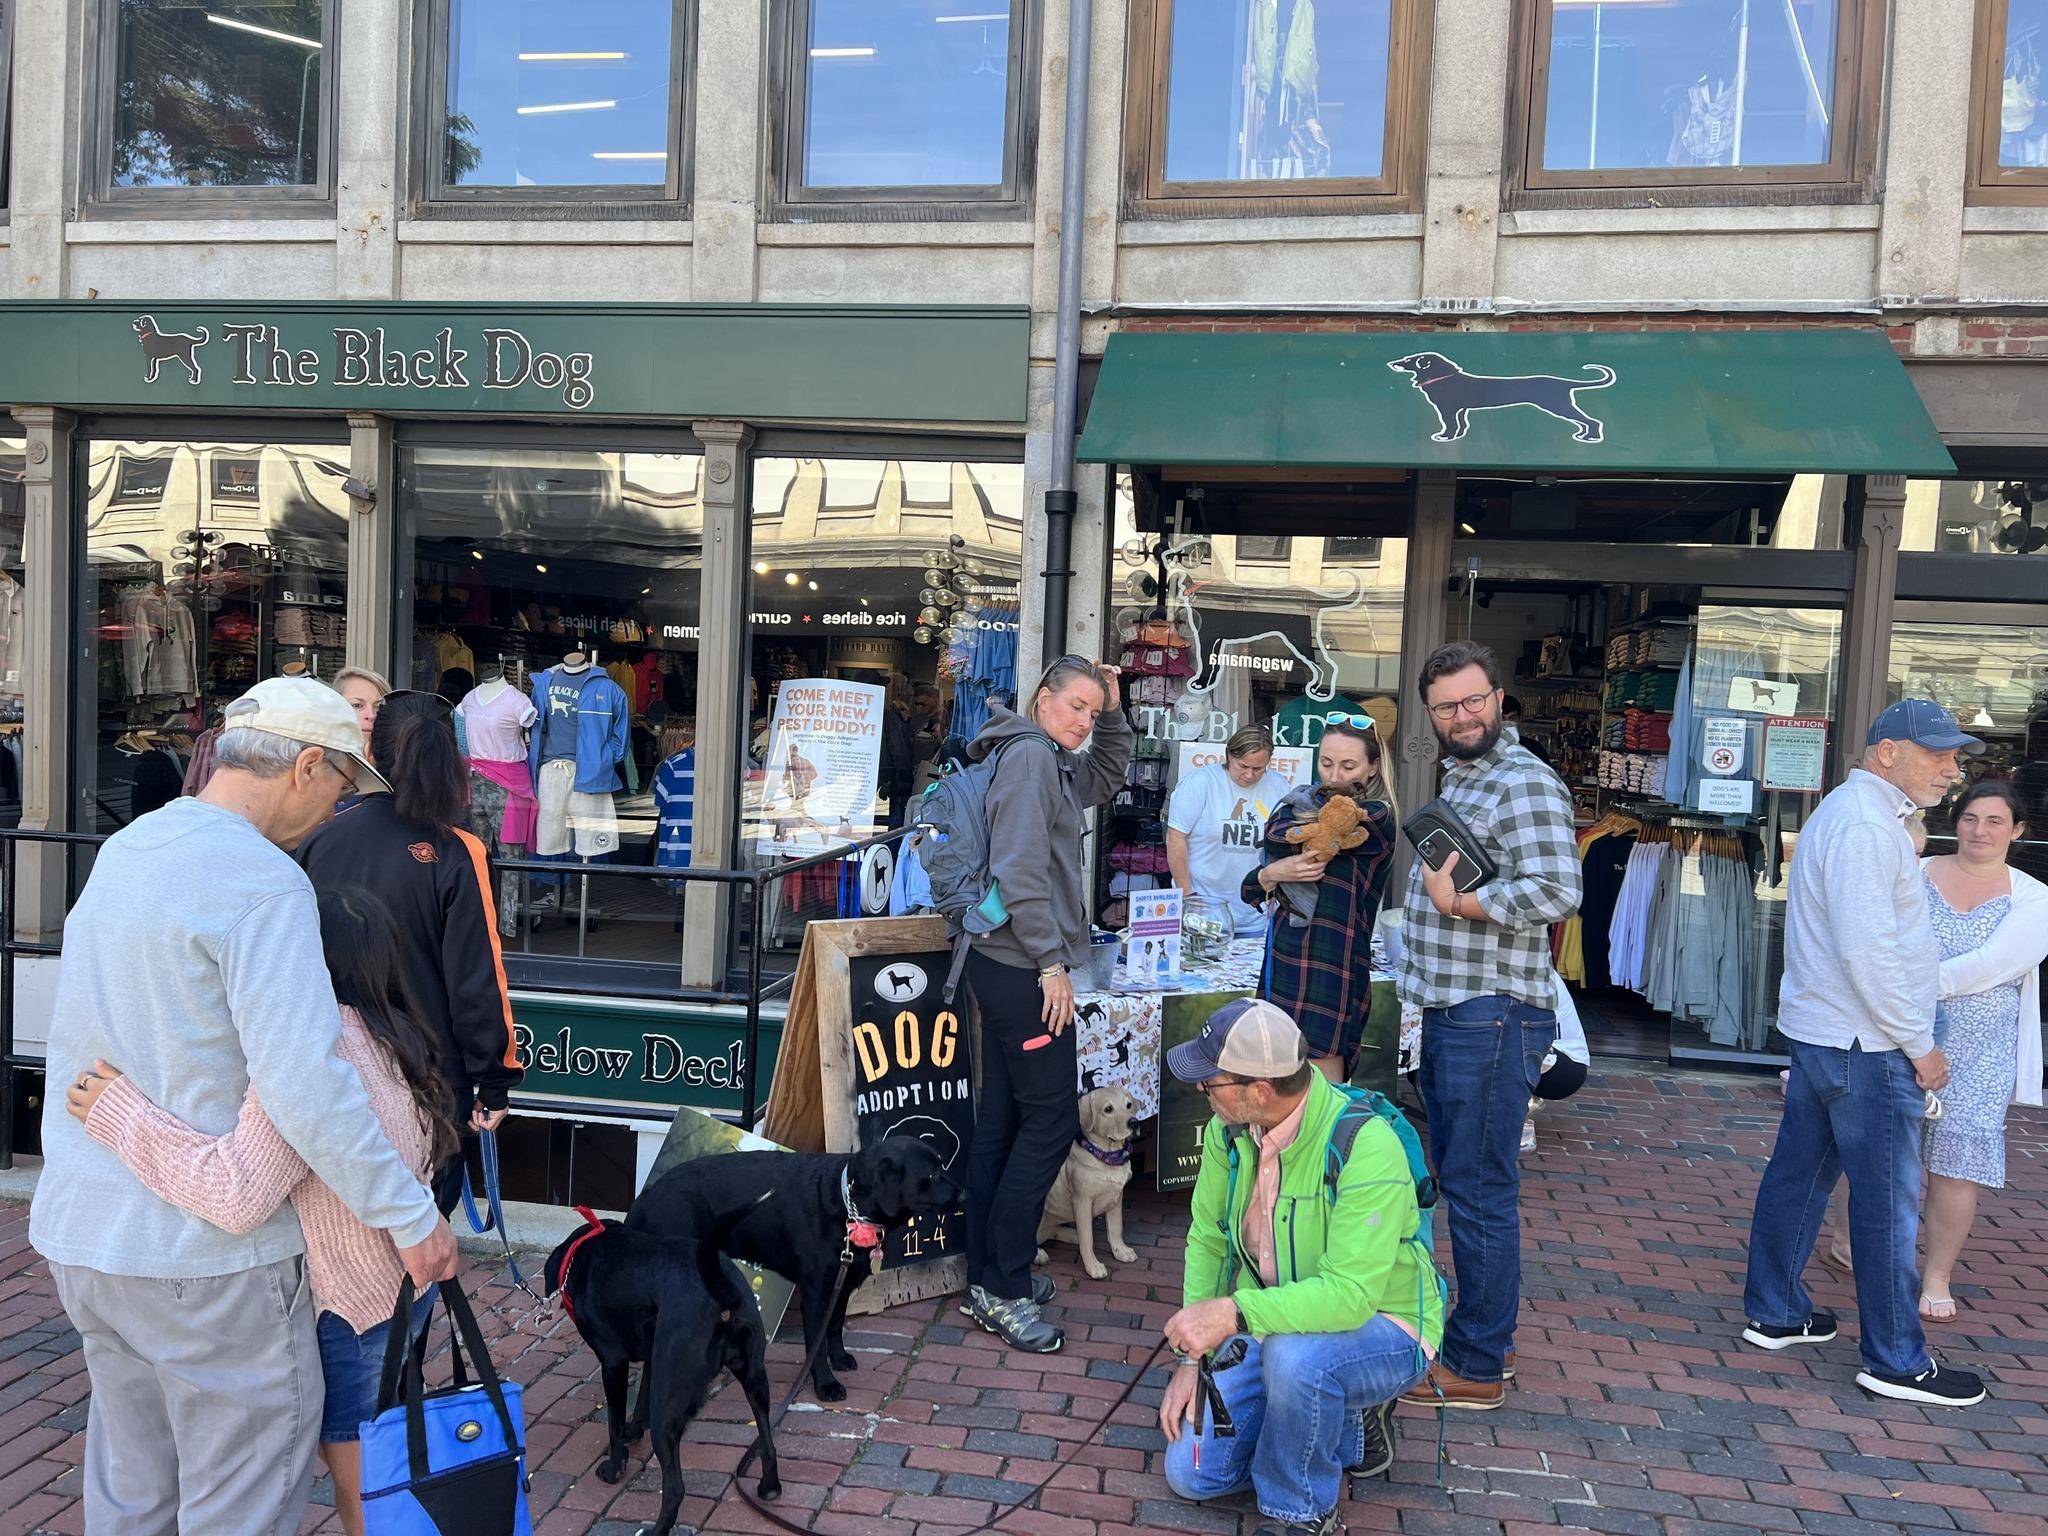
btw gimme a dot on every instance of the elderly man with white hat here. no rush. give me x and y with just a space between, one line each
193 959
1308 1292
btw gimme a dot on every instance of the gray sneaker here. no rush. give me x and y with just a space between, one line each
1044 1290
1015 1321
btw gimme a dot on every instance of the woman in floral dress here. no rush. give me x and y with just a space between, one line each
1991 921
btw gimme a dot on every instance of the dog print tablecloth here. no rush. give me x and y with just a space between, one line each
1117 1033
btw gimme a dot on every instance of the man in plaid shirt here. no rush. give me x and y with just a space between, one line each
1478 964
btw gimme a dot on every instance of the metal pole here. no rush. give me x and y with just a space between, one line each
750 1076
1060 500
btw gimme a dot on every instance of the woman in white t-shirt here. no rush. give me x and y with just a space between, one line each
1216 820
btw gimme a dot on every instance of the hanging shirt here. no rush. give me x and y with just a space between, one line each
583 715
1224 826
647 682
496 726
629 684
675 800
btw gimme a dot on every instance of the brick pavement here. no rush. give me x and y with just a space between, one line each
1636 1411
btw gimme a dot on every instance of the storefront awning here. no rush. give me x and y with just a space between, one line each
1747 402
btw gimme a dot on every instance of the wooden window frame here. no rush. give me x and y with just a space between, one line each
1397 189
431 196
1990 184
787 200
103 54
1850 175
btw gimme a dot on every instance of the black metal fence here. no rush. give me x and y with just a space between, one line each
530 873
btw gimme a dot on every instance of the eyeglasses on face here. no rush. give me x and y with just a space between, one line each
1209 1088
1471 704
347 777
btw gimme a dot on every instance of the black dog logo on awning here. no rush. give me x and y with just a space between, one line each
1455 394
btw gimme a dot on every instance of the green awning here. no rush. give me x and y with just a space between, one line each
1740 402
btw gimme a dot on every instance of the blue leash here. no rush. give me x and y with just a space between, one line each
487 1142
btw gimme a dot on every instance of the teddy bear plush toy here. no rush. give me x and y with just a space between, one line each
1339 826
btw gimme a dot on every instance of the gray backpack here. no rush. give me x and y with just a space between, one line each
954 853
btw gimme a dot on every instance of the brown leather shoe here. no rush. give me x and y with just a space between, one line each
1507 1370
1445 1387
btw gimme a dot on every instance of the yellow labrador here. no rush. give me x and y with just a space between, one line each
1091 1184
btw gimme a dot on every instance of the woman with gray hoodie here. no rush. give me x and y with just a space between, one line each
1043 788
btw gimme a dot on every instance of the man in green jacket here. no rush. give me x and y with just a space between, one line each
1319 1311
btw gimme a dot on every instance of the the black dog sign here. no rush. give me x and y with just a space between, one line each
912 1077
1456 395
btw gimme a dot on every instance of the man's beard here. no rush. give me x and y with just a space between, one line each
1467 752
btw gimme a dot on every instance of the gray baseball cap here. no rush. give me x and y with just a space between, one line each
1245 1037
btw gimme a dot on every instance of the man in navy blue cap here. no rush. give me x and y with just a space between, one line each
1857 1006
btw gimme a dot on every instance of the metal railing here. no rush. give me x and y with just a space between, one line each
530 873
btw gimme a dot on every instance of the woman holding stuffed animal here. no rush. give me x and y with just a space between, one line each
237 1179
1043 787
1329 849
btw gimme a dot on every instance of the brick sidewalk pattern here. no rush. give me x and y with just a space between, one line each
1636 1411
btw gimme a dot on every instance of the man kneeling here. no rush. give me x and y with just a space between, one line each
1302 1281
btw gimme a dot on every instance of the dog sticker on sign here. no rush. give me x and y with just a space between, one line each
1455 394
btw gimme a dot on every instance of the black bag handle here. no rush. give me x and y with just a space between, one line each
402 1381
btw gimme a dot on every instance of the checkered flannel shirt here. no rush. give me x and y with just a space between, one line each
1522 816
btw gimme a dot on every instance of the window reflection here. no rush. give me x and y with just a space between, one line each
1993 677
906 93
1686 84
546 95
2022 114
218 96
2006 516
1277 90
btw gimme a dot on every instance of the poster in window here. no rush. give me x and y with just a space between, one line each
1795 755
912 1077
824 761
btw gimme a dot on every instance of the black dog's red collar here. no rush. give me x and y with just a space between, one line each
593 1229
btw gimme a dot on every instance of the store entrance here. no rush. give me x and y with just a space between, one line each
1693 727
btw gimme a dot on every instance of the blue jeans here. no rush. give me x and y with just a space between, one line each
1856 1112
1297 1401
1481 1059
352 1366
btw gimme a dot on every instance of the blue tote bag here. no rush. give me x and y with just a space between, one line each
450 1462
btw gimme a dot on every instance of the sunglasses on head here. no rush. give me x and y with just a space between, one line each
419 693
1363 722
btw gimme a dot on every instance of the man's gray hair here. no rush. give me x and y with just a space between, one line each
263 754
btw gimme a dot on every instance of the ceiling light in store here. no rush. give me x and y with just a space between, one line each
279 37
541 568
1467 529
567 58
791 578
629 154
761 567
1982 718
645 590
863 602
812 585
842 53
566 106
476 554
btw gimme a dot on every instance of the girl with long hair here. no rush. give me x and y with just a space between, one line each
238 1179
412 850
1042 789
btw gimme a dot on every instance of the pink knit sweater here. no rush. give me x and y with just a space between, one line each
237 1179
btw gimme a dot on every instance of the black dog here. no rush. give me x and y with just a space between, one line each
1454 394
160 347
682 1308
790 1215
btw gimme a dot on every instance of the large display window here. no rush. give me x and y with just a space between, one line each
208 565
883 600
555 604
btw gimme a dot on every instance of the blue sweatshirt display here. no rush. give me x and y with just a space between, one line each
586 716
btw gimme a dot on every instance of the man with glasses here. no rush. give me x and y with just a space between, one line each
1478 965
1309 1294
193 959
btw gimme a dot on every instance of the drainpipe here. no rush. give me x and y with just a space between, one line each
1060 499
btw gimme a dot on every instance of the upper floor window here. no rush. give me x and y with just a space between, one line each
2009 124
891 106
1659 101
1241 106
535 101
217 102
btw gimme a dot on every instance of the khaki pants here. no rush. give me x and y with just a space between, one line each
206 1398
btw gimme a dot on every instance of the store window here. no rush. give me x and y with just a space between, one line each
895 102
555 603
1235 101
1706 95
543 102
883 597
1788 512
219 99
2009 120
208 566
13 472
1216 634
2002 516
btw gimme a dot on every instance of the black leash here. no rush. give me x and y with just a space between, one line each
758 1506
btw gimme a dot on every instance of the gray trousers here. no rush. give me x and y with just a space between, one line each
206 1398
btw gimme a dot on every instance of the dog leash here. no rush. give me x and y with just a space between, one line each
761 1508
487 1142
